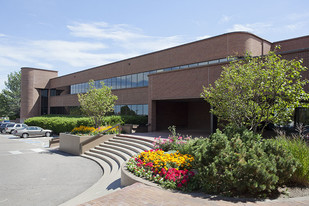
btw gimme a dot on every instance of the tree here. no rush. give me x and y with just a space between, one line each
256 91
10 96
97 102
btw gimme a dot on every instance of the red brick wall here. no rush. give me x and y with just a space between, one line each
31 80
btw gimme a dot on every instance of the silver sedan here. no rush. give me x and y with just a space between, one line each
32 131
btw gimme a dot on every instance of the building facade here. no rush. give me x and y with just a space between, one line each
165 85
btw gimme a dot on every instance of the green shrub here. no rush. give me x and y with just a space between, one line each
241 163
55 123
300 151
113 120
135 119
61 123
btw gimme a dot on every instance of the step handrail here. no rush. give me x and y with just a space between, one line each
95 137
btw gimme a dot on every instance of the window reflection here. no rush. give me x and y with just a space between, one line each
131 109
134 80
139 79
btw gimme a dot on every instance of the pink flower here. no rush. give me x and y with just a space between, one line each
184 181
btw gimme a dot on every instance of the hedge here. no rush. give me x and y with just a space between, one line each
67 123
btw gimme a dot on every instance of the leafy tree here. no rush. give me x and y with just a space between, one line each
10 96
256 91
125 110
96 103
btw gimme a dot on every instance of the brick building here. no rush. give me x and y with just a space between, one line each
165 85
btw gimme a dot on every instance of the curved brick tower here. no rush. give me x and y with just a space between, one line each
32 81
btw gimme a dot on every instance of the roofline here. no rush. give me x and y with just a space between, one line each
46 70
301 37
206 39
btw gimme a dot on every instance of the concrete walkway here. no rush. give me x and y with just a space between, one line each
140 194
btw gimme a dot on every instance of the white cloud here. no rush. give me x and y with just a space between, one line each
96 44
124 36
257 28
225 19
296 26
102 30
2 35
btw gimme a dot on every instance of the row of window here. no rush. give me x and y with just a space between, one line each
131 109
136 80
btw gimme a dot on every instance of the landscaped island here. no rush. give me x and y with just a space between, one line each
235 162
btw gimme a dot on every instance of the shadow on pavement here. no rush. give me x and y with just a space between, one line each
114 185
58 152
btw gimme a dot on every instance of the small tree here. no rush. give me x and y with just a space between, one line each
256 91
97 102
10 96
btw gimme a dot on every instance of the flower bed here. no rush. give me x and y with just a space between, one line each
85 130
170 170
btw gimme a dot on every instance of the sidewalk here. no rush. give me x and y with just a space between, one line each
139 194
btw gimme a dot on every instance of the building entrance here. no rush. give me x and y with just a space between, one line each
190 114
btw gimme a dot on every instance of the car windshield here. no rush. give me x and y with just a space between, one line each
10 125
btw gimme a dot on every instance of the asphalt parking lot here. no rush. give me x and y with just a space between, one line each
32 174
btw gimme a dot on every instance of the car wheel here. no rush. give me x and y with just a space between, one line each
25 135
47 134
3 131
11 132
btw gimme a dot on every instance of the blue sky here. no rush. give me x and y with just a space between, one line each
73 35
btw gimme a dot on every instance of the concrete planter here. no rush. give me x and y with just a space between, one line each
72 143
128 178
127 128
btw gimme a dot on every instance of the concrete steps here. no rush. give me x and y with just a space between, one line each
110 155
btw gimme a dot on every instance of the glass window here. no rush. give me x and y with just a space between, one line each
114 83
193 65
87 87
134 80
214 61
123 82
53 92
223 60
82 88
183 66
139 109
160 70
108 82
130 106
203 63
175 68
140 79
118 79
129 81
134 108
153 72
77 88
145 78
167 69
145 109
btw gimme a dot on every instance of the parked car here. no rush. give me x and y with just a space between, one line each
3 125
9 128
32 131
